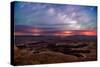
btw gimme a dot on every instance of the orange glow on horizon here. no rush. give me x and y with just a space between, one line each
88 33
67 32
70 33
36 30
64 33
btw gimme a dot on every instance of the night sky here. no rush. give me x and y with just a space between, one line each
53 19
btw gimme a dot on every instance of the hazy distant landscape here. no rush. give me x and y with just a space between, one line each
53 49
22 39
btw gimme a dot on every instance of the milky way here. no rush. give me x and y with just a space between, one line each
54 19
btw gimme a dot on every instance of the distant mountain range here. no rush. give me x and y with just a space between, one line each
81 37
19 39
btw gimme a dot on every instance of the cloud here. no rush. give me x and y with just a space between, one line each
25 30
41 18
51 11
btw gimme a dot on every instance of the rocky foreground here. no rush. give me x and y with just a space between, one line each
53 52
